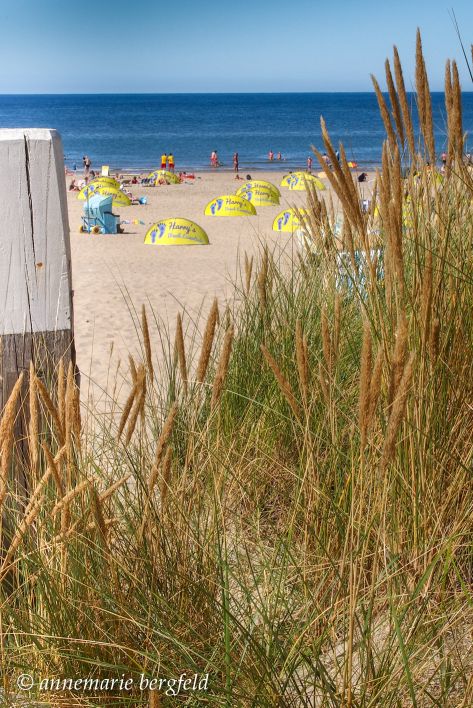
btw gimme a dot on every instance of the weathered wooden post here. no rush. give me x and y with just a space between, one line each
36 321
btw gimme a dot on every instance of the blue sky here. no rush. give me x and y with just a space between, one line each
68 46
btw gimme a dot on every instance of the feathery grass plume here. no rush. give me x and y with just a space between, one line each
98 515
398 358
33 423
383 109
161 445
324 385
67 498
31 512
397 413
248 273
181 351
375 387
61 393
9 412
50 407
127 408
7 436
284 384
222 367
420 82
133 372
457 122
52 465
139 401
395 107
165 476
337 178
450 108
424 103
302 362
365 379
147 342
207 342
406 113
113 488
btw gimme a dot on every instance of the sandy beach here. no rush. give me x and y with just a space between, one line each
113 273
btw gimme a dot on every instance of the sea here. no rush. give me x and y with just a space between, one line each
131 131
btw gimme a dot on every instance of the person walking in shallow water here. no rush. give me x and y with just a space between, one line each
309 164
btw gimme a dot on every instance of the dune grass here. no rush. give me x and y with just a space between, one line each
287 506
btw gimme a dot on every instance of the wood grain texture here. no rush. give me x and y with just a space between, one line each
36 320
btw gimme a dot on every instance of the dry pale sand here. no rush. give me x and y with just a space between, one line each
113 273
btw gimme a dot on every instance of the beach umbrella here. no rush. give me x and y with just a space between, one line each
230 205
168 177
120 199
176 232
300 180
290 220
259 184
259 196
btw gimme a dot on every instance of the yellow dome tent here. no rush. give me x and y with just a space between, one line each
289 221
300 180
168 177
259 196
230 205
176 232
259 184
120 199
286 180
105 181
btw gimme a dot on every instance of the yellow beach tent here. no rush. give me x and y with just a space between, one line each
168 177
230 205
286 180
120 199
300 180
259 196
176 232
110 181
259 184
289 220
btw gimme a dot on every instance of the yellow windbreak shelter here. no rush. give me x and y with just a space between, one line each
259 196
290 220
176 232
230 205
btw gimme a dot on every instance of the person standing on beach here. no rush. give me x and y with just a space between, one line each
164 161
213 159
309 164
171 162
271 156
87 163
236 163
